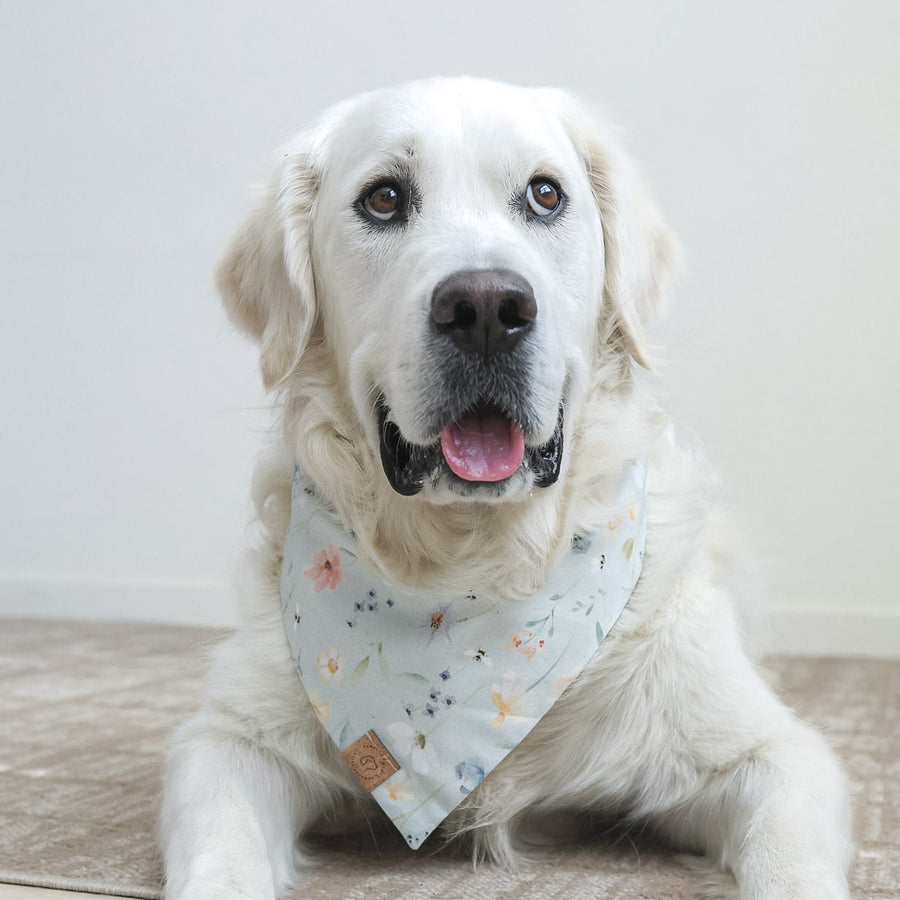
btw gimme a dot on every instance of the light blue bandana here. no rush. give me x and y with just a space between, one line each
425 693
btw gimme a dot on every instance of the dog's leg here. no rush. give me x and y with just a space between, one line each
231 814
672 725
739 777
246 776
778 819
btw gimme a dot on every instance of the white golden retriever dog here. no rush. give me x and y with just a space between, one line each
450 283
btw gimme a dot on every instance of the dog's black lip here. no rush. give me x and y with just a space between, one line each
407 465
546 460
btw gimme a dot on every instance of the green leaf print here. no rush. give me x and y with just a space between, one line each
628 548
359 671
382 664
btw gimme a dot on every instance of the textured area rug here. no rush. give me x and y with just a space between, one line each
85 711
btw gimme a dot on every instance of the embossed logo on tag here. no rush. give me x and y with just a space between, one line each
370 761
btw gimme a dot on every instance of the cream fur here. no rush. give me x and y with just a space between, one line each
670 724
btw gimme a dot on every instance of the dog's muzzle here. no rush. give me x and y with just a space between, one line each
482 316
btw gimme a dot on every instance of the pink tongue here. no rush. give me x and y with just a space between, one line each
483 447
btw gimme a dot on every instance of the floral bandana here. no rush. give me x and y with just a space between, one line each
425 693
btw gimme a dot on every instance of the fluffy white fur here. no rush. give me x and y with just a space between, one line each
669 725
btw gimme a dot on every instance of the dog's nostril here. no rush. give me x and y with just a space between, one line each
511 313
485 311
465 315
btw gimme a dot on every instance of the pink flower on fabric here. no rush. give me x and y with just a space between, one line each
520 643
326 569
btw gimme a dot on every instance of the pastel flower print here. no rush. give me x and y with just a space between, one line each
519 638
470 772
512 700
326 569
332 663
414 745
322 708
520 643
400 787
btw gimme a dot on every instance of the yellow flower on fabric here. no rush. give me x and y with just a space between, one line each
322 708
400 787
332 663
512 700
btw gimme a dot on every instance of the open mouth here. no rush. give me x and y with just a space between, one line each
483 446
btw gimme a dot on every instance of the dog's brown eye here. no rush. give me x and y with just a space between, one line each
543 197
384 201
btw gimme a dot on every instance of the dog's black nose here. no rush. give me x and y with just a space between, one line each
484 311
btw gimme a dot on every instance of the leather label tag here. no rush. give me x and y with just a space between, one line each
370 761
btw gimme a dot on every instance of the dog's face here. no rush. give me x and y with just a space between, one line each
459 260
458 244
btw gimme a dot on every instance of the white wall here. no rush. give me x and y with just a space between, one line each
132 132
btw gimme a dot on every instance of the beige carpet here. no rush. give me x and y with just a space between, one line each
84 714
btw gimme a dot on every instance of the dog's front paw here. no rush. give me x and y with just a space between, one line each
206 889
814 884
798 881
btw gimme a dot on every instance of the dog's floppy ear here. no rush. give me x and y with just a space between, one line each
265 277
640 250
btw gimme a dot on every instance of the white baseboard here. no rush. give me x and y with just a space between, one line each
119 600
802 629
818 630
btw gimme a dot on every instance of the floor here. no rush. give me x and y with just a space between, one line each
80 776
17 892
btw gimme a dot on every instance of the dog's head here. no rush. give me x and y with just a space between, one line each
468 252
